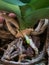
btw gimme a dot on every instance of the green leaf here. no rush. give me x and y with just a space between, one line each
34 16
11 8
38 4
15 2
37 14
25 1
34 11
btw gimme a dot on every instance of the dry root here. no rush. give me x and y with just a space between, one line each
13 28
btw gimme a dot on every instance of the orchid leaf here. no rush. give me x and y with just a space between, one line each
30 19
30 13
11 8
25 1
34 11
38 4
15 2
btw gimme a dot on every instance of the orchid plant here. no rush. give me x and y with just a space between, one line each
27 11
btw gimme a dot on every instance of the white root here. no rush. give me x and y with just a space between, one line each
44 25
14 45
39 29
9 49
37 59
39 25
32 44
19 45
